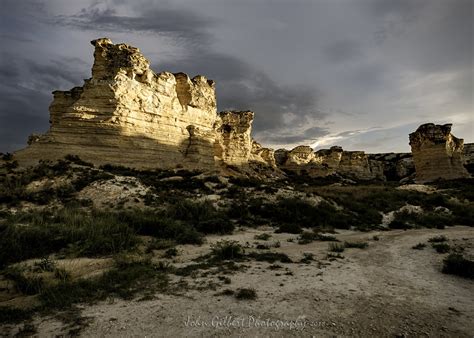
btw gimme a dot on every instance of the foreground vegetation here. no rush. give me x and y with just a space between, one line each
52 223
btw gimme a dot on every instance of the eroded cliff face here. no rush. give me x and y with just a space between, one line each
324 162
469 157
437 154
128 115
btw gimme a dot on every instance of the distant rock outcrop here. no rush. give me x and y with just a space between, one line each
437 154
128 115
469 157
324 162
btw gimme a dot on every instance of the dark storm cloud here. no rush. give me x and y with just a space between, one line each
342 65
240 86
181 24
25 94
307 136
342 51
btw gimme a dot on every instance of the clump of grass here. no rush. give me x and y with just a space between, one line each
419 246
62 275
160 244
79 232
441 247
227 250
270 257
376 238
170 253
45 264
14 315
26 284
309 236
332 256
438 239
263 237
307 258
125 280
358 245
290 228
246 294
456 264
336 247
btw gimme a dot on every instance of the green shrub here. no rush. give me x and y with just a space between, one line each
456 264
310 236
358 245
14 315
246 294
203 216
441 247
270 257
336 247
290 228
28 285
419 246
263 237
438 239
225 250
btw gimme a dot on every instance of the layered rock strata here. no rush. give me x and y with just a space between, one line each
437 154
128 115
324 162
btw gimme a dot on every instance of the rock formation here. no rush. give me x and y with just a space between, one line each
128 115
324 162
391 166
437 154
469 157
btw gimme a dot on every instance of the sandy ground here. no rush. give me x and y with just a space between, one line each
387 289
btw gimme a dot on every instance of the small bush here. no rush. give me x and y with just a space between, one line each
263 237
14 315
456 264
246 294
225 250
28 285
441 247
45 265
62 275
290 228
310 236
358 245
307 258
332 256
270 257
438 239
170 253
419 246
335 247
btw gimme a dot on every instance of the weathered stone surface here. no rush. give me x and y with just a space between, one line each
469 157
128 115
437 154
391 166
303 160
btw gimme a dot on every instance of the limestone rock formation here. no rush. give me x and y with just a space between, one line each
391 166
469 157
128 115
324 162
437 154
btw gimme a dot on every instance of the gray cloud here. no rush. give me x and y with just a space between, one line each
301 65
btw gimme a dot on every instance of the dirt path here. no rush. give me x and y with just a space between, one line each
387 289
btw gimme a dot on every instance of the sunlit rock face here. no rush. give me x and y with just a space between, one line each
128 115
324 162
437 154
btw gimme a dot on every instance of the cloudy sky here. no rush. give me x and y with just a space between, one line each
357 73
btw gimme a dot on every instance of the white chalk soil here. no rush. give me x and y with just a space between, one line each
387 289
